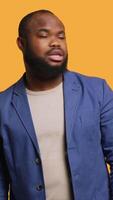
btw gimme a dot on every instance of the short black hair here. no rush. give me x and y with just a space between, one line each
25 20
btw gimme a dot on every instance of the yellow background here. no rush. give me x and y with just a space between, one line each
89 28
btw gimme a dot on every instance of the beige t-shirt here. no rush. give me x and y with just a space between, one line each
47 110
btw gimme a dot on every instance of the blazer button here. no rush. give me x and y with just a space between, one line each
39 187
37 160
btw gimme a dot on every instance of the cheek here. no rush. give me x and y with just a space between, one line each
64 47
39 47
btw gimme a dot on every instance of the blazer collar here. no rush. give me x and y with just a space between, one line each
69 78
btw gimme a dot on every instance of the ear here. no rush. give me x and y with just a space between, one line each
21 43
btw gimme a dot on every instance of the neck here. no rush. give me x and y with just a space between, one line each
35 84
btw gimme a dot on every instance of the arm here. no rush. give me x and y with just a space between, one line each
107 130
4 178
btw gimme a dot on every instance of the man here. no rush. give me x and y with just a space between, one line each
56 126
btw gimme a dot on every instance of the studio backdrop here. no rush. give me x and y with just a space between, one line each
89 31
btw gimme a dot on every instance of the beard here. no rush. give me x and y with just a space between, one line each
38 68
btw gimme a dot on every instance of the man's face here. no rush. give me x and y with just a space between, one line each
45 45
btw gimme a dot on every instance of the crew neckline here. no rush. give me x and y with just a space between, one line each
43 92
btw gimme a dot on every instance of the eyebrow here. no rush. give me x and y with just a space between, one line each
42 30
47 30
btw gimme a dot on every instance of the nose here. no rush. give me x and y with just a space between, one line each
54 42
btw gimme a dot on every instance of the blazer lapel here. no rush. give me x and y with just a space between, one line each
72 94
21 106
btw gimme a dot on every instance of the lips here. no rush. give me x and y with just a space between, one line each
57 58
56 55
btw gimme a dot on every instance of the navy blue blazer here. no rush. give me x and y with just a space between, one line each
88 108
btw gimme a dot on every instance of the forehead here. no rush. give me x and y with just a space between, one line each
47 21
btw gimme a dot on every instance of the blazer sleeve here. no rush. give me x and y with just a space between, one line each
107 130
4 178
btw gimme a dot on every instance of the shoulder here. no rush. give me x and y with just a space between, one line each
94 86
89 82
6 95
85 78
7 92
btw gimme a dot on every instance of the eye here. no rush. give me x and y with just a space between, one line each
61 36
42 34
